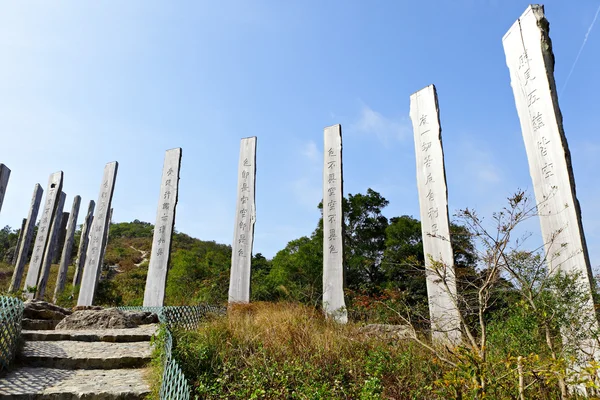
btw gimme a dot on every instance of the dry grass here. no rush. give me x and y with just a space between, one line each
284 350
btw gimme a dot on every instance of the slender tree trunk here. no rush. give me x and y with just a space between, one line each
550 343
521 378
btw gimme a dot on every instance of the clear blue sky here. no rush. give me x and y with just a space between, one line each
83 83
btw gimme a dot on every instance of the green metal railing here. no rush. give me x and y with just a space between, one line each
11 314
174 385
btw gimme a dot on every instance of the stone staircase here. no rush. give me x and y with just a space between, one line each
81 364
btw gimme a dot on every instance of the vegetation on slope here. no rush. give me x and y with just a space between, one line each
290 351
521 320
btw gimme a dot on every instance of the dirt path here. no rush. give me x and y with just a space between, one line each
144 256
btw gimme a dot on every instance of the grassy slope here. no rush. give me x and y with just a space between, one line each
284 350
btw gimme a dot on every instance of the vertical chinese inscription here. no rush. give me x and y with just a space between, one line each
51 248
243 231
529 57
49 206
4 175
433 201
83 243
105 243
156 282
96 237
36 199
65 259
333 234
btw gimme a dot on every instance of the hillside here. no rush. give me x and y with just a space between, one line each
199 269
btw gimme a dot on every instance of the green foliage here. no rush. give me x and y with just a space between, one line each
295 273
365 239
8 242
199 275
199 270
135 229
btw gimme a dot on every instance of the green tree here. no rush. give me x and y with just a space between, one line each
364 233
296 272
8 241
403 264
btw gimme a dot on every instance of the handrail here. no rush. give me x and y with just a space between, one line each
174 384
11 315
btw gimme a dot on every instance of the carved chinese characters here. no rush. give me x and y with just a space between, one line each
97 234
529 57
4 175
27 234
245 216
65 259
433 200
43 234
50 249
156 282
333 242
83 243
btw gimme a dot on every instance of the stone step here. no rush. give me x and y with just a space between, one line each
39 324
69 354
139 334
50 383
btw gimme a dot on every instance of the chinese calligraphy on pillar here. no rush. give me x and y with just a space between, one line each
530 60
96 243
433 201
333 234
50 248
83 243
4 175
156 281
243 232
49 207
36 199
65 259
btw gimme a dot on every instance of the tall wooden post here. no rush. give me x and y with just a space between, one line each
435 224
156 282
98 231
333 230
42 239
245 217
36 199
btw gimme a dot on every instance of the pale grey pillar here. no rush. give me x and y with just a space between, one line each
245 217
99 225
65 259
50 249
4 175
529 57
156 282
83 243
19 239
435 224
334 304
43 234
36 199
59 241
104 244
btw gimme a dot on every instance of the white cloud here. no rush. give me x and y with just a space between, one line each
306 187
480 162
371 122
311 152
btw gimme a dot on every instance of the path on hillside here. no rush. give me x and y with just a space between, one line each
144 256
75 364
